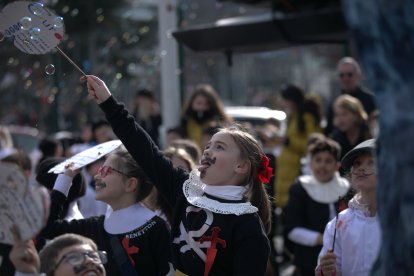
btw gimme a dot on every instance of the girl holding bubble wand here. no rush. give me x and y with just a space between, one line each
136 239
221 211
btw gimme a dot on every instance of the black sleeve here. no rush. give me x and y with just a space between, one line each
329 120
139 144
252 248
295 209
56 226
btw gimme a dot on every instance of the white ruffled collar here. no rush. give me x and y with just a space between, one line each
127 219
360 208
195 192
327 192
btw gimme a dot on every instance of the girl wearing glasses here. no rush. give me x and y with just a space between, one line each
135 238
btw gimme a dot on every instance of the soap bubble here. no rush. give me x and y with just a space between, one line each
34 34
50 69
58 22
37 8
25 23
1 36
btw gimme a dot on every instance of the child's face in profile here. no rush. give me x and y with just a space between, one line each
323 165
221 163
363 173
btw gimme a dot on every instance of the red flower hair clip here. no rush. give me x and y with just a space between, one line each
265 172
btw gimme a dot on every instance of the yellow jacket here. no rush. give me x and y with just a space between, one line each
288 163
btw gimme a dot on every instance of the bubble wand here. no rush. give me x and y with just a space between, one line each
71 61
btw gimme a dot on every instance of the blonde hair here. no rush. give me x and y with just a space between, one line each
251 151
170 152
353 105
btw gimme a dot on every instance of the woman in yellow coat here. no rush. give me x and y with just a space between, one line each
303 120
204 109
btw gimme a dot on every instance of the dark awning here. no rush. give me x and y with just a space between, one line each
267 32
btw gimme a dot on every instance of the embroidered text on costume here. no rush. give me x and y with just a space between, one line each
141 231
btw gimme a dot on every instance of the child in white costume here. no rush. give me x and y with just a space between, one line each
358 234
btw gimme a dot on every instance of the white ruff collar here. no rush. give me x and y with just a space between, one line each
127 219
327 192
194 191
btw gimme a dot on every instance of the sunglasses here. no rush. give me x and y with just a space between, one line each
348 74
105 170
76 258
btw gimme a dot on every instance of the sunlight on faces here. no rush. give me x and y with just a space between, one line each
90 267
345 119
348 76
364 173
323 166
228 168
109 185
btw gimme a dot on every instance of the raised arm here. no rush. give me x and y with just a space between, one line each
138 143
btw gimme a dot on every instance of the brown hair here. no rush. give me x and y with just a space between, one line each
130 168
145 188
48 255
326 145
250 150
213 99
181 153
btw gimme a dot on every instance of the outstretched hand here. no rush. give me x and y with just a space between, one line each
23 254
97 89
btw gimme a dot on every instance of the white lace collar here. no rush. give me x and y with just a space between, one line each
194 191
127 219
327 192
360 208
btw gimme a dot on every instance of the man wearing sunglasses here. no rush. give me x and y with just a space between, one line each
350 77
68 254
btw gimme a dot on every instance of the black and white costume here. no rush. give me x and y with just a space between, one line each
144 236
310 207
215 231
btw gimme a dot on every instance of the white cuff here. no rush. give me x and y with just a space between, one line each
18 273
304 236
63 183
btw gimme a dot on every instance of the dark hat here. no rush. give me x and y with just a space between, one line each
367 146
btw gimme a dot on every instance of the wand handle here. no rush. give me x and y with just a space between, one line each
71 61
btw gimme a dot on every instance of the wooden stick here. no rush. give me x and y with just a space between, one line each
71 61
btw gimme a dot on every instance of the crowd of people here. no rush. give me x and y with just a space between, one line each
211 197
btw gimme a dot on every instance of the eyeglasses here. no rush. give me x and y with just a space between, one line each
348 74
76 258
105 170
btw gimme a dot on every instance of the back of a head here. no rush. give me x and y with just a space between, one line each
182 154
48 255
145 93
48 147
293 93
78 188
190 147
